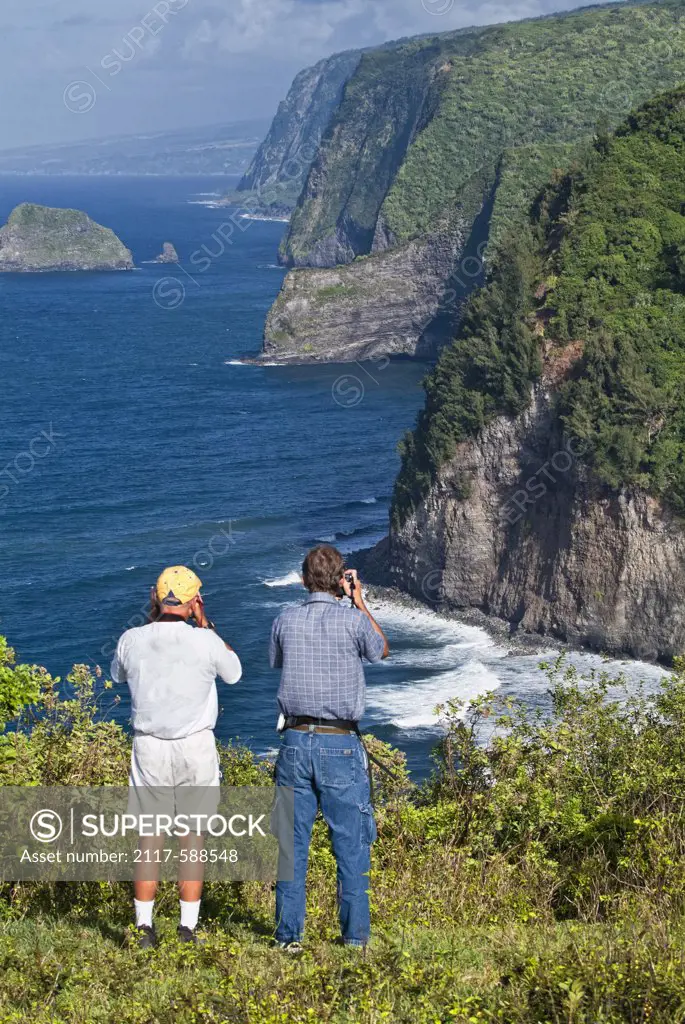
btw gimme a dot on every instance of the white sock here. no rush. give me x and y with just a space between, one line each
143 912
189 914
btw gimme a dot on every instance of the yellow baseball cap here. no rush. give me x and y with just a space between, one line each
178 585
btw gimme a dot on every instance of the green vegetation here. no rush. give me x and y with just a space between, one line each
522 174
600 265
336 291
48 238
422 129
280 166
536 879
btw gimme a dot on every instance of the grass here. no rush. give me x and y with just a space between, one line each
62 971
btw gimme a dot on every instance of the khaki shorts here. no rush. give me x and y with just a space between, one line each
174 776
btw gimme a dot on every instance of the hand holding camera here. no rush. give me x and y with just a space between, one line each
351 584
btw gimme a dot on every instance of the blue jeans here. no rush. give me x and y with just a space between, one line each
328 770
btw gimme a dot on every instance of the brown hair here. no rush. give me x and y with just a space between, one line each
322 570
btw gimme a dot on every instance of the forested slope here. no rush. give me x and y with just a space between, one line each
426 137
572 356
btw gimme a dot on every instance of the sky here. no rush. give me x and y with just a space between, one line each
79 69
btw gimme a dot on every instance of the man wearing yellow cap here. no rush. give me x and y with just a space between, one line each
171 668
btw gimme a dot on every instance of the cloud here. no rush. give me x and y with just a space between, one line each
223 59
313 28
268 26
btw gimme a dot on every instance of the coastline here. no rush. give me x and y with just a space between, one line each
518 643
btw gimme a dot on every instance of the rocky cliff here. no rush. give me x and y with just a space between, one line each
41 238
279 169
425 132
167 255
328 315
545 480
535 543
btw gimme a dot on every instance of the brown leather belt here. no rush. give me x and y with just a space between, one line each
326 729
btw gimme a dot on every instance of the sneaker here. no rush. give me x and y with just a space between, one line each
294 948
187 935
146 937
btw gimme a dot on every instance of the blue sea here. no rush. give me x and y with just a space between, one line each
132 437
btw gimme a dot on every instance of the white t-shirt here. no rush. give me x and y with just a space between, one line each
171 670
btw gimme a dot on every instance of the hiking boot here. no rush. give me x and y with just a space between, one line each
187 935
294 948
146 937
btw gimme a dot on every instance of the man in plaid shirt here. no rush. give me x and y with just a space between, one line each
320 647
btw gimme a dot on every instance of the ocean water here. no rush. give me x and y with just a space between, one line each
133 437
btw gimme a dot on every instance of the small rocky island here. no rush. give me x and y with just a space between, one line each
167 255
41 238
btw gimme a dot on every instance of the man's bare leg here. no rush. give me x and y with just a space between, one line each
191 875
146 877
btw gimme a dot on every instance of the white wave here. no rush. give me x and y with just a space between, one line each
256 216
412 706
429 626
130 568
278 604
329 539
249 362
292 579
369 501
271 753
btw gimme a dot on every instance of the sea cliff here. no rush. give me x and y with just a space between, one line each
533 542
451 134
279 169
544 482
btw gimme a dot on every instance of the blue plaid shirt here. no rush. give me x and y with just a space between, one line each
320 645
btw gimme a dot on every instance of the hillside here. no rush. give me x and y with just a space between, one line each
279 169
545 481
426 137
214 149
41 238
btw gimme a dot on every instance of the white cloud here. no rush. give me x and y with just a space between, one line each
224 59
313 29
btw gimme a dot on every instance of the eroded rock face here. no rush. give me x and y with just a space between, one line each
280 166
167 255
369 308
42 238
513 527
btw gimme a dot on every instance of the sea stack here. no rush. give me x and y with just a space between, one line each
41 238
167 255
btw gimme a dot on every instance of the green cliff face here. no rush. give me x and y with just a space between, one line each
279 169
40 238
545 480
426 131
386 102
416 124
595 284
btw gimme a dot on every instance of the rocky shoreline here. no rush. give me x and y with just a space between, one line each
373 568
517 644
